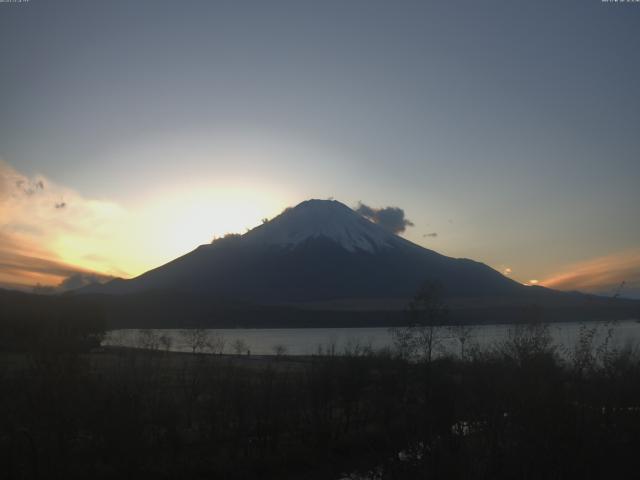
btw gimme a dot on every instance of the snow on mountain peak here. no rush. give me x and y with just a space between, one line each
329 219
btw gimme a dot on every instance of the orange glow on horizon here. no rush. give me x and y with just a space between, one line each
599 274
44 240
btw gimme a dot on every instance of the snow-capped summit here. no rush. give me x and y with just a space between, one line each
328 219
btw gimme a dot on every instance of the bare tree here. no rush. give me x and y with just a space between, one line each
280 350
147 339
166 342
195 338
216 343
529 340
403 344
462 333
427 313
240 346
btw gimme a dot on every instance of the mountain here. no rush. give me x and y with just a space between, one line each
319 250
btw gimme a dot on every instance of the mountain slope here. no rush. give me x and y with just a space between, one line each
318 250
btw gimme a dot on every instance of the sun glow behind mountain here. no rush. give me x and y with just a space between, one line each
49 232
187 219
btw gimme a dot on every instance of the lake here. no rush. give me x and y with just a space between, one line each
309 341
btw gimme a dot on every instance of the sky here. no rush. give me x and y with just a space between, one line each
507 132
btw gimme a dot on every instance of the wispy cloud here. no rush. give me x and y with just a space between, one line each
42 238
602 275
51 233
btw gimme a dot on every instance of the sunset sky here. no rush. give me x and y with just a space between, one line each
507 132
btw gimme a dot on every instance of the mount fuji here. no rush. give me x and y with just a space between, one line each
320 250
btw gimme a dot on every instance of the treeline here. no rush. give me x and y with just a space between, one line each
171 309
516 411
40 322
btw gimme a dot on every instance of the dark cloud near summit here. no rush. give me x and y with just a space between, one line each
390 218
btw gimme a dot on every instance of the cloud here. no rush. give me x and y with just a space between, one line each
41 220
76 279
28 187
24 264
45 240
390 218
602 275
82 279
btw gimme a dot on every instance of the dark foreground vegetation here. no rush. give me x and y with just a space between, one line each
168 309
42 322
518 411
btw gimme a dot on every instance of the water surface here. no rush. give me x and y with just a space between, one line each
310 341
